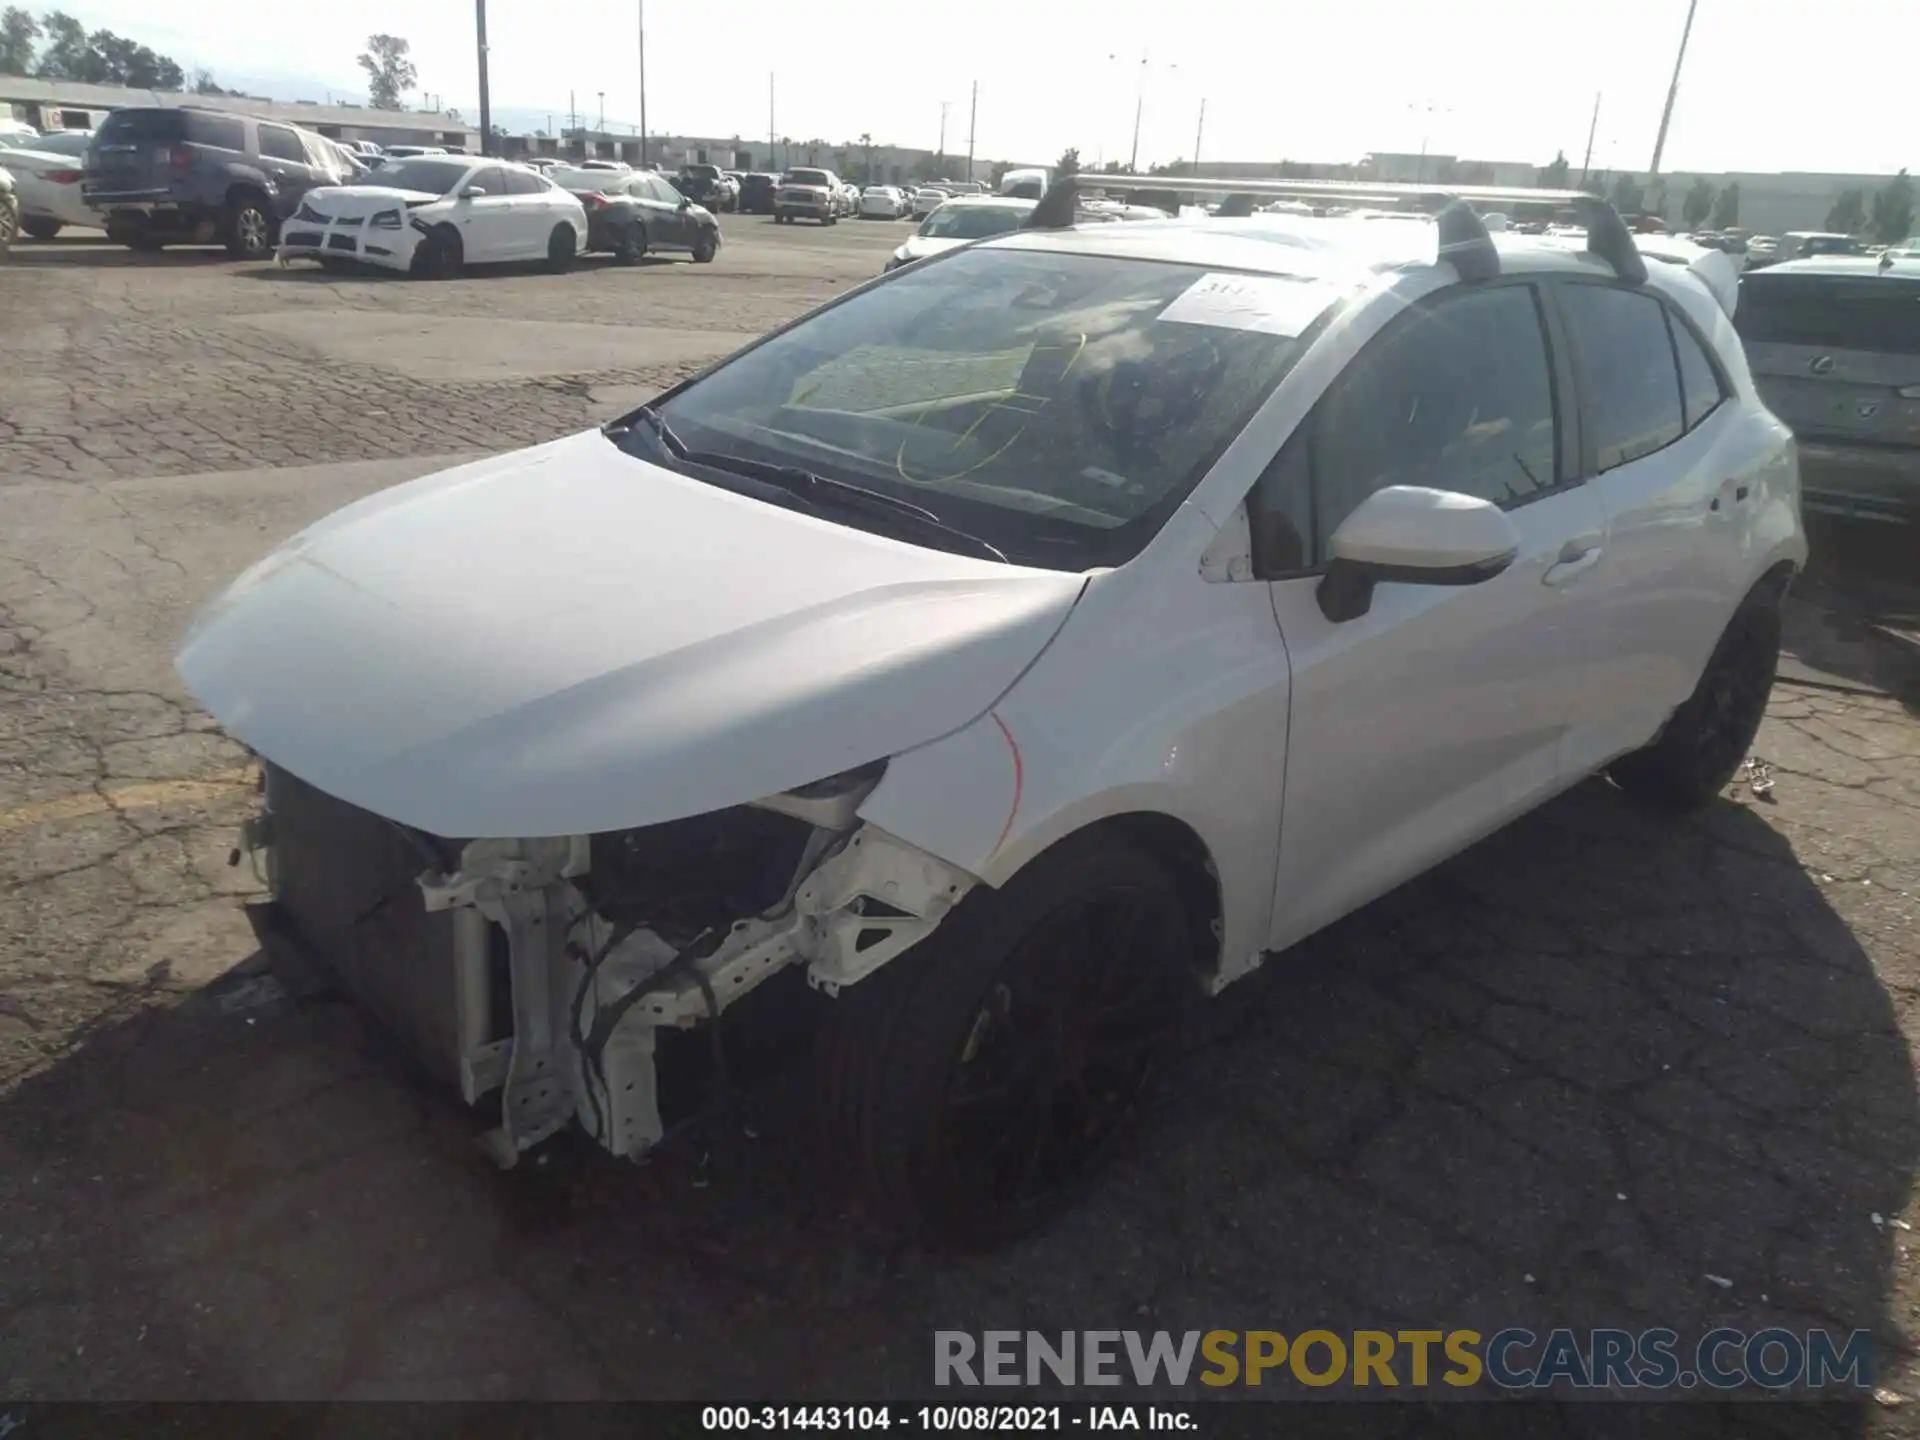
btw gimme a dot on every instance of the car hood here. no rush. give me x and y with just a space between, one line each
568 640
356 202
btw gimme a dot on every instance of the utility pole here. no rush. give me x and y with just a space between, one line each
643 83
941 157
1673 90
973 115
603 111
1586 161
773 154
1139 104
573 114
1198 131
486 111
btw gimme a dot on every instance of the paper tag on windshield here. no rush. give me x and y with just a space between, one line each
1275 304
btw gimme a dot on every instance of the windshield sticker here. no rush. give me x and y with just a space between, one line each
1275 304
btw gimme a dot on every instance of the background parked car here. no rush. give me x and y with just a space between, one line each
757 192
9 213
640 214
962 219
433 214
1800 244
705 185
927 199
882 202
47 171
1834 346
810 194
166 175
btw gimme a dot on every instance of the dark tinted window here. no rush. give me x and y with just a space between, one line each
1879 313
492 180
280 143
222 132
426 177
1699 382
124 127
1456 397
523 182
1627 369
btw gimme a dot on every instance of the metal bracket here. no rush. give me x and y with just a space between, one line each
875 898
538 1098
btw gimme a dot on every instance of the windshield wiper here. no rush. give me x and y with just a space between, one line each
819 491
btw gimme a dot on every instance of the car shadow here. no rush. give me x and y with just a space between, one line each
1601 1070
104 253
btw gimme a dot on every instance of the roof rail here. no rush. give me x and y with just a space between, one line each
1464 241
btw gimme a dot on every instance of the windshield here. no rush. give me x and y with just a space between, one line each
429 177
1044 402
805 177
972 222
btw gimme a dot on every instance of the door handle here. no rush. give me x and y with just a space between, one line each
1577 557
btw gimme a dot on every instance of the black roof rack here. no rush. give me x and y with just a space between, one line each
1464 241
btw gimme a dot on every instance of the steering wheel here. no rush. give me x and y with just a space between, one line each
1135 402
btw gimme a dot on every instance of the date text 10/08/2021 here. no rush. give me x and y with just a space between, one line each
993 1419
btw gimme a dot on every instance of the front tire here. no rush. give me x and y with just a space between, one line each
705 248
39 228
439 255
976 1084
9 223
1700 749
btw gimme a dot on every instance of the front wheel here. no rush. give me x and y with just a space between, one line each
706 247
9 223
560 249
1701 747
439 255
978 1082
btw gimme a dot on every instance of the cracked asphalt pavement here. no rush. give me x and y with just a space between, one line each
1606 1068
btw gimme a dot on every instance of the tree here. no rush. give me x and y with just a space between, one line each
102 58
1627 196
1698 205
67 55
1893 210
1726 209
18 32
1067 164
390 73
1553 176
1849 213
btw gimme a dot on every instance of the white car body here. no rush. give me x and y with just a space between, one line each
543 647
927 199
948 226
882 202
383 224
46 175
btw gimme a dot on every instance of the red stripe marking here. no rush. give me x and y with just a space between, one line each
1019 779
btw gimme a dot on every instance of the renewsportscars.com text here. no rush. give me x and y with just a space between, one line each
1510 1359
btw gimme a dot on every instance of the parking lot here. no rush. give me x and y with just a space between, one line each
1603 1069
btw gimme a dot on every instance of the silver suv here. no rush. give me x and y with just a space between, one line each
1834 345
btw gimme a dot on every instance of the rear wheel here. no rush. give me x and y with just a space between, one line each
40 228
977 1083
9 222
1702 745
249 228
560 247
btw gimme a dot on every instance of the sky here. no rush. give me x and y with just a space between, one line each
1824 88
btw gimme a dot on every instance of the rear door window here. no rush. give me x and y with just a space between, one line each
523 182
222 132
1629 379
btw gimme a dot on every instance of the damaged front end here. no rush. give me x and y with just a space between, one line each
560 972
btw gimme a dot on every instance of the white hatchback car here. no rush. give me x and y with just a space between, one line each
958 221
1003 653
430 215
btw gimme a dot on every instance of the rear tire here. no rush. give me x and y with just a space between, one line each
39 228
1700 749
248 227
630 244
560 249
976 1084
9 223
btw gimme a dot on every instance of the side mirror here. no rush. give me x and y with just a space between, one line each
1410 535
685 203
473 192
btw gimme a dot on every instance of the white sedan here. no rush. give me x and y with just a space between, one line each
960 220
1011 650
927 199
46 174
432 214
882 202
